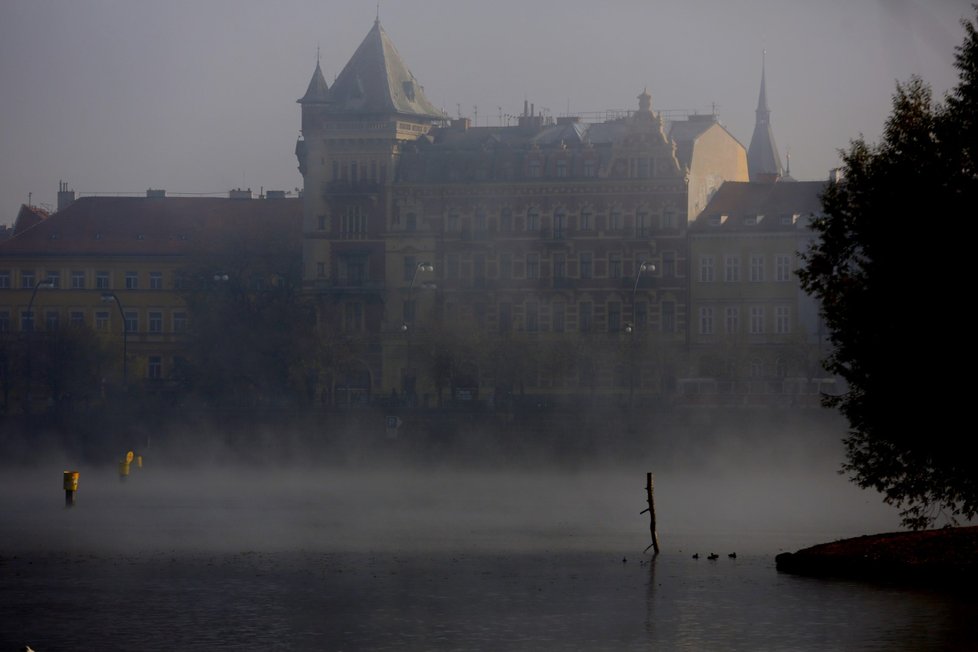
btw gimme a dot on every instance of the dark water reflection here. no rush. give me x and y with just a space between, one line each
314 559
480 601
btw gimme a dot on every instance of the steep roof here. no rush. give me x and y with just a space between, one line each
318 91
139 226
763 160
27 217
376 81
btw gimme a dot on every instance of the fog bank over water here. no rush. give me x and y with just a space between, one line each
717 490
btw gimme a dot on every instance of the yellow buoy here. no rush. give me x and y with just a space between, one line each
71 486
123 469
71 480
129 457
139 461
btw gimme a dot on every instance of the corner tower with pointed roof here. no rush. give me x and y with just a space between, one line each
353 132
763 160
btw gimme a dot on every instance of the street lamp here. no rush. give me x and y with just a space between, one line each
642 267
405 327
46 285
109 297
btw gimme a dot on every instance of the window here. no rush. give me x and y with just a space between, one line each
353 224
533 266
756 268
562 167
321 269
479 270
101 280
52 320
706 268
614 316
452 222
132 280
532 317
706 321
411 222
560 265
76 318
782 320
132 321
156 280
560 219
584 316
782 268
154 370
451 266
590 168
155 322
614 221
558 312
410 267
409 311
586 219
668 264
78 280
180 322
640 315
731 268
4 279
506 220
27 279
4 321
533 220
54 278
352 269
669 220
731 320
587 266
614 265
102 320
505 265
336 170
668 317
505 317
353 317
642 224
27 321
644 167
533 168
756 325
480 223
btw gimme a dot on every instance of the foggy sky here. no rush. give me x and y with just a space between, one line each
117 96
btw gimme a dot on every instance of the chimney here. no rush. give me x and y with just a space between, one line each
155 193
65 197
238 193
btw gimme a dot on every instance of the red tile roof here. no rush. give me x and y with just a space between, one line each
141 226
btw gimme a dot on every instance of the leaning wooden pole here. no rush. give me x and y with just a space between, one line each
650 491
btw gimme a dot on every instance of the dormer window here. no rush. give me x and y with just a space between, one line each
408 89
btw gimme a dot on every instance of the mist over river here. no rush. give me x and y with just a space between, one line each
207 552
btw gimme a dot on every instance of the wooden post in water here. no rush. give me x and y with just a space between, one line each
651 510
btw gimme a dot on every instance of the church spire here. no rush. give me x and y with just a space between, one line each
763 160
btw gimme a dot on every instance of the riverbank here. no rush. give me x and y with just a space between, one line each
945 557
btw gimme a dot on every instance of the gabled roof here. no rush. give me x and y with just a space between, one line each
376 81
763 160
139 226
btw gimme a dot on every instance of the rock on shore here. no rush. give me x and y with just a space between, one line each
947 556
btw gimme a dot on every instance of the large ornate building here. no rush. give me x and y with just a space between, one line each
558 241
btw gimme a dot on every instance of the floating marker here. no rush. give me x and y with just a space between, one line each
123 470
71 486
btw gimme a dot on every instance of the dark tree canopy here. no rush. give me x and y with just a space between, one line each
888 268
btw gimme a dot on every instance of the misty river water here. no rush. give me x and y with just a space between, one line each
319 558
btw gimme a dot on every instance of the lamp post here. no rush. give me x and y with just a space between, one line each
109 297
409 328
46 285
631 326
